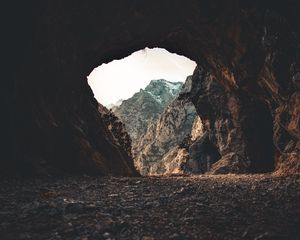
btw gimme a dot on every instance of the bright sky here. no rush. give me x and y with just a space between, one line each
120 79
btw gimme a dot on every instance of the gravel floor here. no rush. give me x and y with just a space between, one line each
198 207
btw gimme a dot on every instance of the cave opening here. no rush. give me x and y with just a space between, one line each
231 81
245 88
152 101
144 98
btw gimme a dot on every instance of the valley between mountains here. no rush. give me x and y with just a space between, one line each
166 133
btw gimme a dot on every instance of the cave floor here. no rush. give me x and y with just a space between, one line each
199 207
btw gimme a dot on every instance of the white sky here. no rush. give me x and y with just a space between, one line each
120 79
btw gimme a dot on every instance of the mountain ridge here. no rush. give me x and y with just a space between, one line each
146 105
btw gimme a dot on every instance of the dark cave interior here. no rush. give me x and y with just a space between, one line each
82 181
245 87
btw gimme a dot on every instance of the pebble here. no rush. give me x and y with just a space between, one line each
147 238
106 235
150 208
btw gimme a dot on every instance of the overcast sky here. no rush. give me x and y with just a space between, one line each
120 79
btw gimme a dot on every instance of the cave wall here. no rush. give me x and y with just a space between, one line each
51 123
239 125
257 87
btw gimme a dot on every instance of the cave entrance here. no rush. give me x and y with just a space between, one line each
143 95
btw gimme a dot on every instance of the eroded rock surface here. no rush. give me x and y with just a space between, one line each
162 135
117 129
239 125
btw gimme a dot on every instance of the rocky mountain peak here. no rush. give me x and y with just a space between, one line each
146 105
113 106
158 150
162 90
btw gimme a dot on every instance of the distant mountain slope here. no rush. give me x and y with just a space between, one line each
173 125
146 105
113 106
164 134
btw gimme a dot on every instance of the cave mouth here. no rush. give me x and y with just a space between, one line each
119 79
163 132
145 95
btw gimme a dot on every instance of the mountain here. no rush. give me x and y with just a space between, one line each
173 125
113 106
145 106
183 156
158 151
164 91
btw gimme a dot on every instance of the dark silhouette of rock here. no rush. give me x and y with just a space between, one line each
203 153
117 128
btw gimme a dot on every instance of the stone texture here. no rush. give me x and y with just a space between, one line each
151 208
117 129
286 135
197 129
173 161
202 154
162 135
153 153
239 125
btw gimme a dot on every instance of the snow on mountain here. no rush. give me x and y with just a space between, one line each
146 105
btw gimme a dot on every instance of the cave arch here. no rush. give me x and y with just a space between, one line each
245 48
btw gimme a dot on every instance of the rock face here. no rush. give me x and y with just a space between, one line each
202 152
178 157
236 123
162 135
286 134
197 129
117 129
154 153
247 79
94 141
146 105
193 155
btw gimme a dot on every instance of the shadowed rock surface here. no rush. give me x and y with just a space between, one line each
236 123
248 52
202 207
117 129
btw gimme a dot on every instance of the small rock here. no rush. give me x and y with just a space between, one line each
174 236
147 238
106 235
113 195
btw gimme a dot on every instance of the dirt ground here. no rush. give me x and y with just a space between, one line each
195 207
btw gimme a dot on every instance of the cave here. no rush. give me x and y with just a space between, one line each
247 56
140 100
64 174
